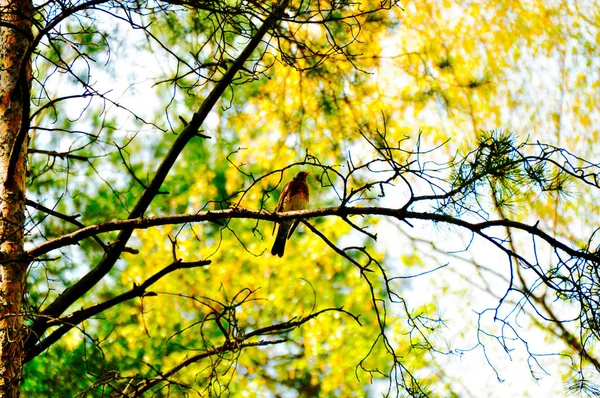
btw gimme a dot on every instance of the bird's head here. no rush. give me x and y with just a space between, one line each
301 176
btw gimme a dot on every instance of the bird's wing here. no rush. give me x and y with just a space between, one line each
285 192
281 203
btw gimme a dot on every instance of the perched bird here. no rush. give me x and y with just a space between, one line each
294 196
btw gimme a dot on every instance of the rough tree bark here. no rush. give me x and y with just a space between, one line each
15 78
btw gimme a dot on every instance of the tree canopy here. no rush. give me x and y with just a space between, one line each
454 189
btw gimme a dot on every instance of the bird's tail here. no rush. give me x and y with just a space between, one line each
279 244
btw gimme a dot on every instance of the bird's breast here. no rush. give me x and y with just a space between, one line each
297 202
298 198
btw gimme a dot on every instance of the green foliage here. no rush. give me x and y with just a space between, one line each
504 170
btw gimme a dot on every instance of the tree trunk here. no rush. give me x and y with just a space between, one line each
15 85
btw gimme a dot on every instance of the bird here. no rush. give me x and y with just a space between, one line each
294 196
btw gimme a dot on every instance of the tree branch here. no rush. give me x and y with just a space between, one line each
77 317
241 213
235 345
74 292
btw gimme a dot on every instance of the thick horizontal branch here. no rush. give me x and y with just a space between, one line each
62 155
241 213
